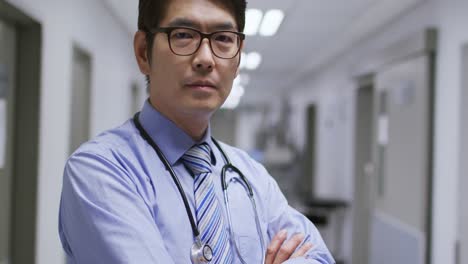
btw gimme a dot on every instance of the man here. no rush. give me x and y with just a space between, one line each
120 201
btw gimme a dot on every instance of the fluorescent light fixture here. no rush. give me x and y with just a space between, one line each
250 61
253 17
271 22
253 60
236 94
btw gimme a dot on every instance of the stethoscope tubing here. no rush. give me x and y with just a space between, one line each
228 166
166 163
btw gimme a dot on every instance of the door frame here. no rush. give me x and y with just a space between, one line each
8 98
462 241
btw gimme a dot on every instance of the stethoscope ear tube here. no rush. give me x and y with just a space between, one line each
228 167
195 231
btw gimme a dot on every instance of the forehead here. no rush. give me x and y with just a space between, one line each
201 14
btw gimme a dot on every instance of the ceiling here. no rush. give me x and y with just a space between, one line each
313 33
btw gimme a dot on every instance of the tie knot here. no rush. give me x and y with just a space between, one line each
198 159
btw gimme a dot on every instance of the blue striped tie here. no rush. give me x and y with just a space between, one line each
210 216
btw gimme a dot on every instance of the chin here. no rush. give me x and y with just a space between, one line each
207 103
204 109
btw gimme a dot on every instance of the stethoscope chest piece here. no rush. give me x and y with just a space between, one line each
201 253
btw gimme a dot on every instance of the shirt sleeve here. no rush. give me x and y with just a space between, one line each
103 219
282 216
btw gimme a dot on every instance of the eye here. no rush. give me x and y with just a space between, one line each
183 34
224 37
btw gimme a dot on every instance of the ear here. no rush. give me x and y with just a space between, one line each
141 52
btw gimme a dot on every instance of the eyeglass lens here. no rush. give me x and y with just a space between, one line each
185 41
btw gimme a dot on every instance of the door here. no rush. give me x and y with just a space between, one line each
7 73
463 194
136 102
81 98
362 186
402 155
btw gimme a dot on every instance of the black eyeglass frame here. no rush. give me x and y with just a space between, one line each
168 31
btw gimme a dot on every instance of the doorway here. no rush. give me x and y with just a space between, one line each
306 184
224 125
20 53
364 131
393 139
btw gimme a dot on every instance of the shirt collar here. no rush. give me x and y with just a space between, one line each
171 139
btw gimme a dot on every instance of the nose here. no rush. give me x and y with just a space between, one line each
204 59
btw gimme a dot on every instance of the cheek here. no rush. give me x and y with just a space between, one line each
166 71
231 71
232 76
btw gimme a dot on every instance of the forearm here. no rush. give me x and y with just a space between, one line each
296 223
282 216
305 260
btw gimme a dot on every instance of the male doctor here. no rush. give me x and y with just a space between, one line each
120 203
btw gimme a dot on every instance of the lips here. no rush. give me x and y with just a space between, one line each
201 84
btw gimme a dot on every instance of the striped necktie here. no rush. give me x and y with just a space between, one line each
210 216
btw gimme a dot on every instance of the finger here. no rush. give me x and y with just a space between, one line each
287 249
274 246
302 250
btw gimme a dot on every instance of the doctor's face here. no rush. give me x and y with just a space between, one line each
192 84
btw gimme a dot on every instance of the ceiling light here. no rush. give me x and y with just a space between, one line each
253 60
243 60
271 22
253 17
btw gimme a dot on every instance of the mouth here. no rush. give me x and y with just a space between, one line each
201 85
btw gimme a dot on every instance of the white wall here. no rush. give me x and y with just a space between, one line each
89 25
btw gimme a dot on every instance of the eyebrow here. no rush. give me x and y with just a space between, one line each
184 22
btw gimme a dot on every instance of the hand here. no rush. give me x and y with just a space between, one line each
279 251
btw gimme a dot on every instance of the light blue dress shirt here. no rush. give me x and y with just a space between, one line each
120 205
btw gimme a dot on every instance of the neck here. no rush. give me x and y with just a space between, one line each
195 125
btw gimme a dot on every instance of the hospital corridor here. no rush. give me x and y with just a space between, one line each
358 109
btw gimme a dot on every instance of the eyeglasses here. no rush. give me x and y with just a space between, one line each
185 41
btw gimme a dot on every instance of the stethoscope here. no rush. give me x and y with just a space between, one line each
201 252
